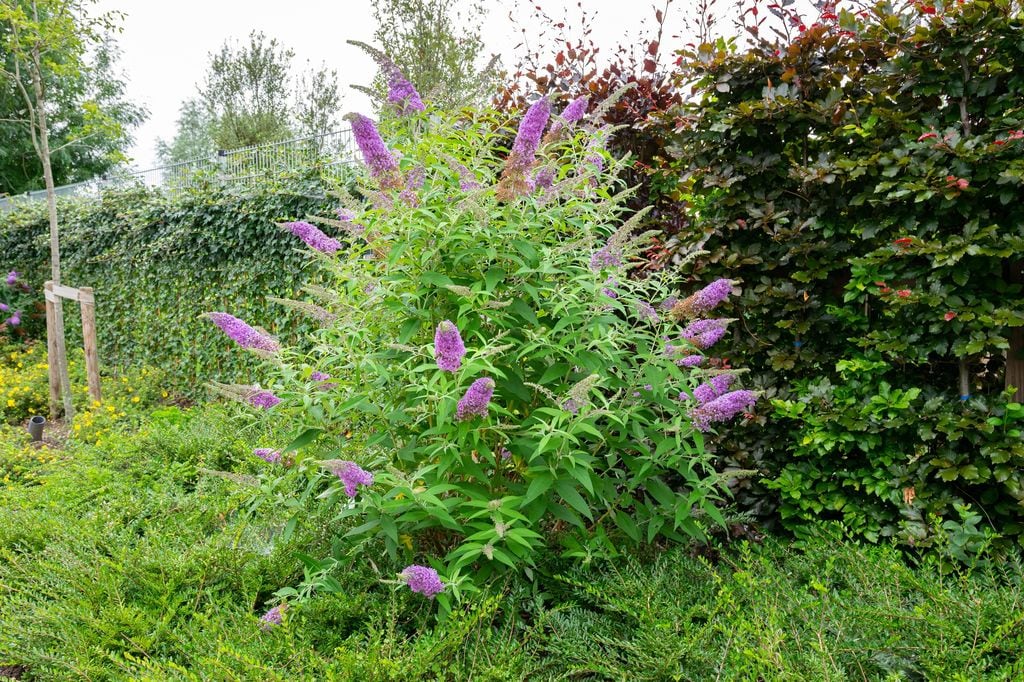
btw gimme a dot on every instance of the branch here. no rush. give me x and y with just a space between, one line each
70 143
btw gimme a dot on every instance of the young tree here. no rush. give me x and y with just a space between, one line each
437 47
84 145
45 40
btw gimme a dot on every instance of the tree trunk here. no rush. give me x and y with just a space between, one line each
61 357
1015 353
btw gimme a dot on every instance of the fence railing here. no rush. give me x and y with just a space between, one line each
244 166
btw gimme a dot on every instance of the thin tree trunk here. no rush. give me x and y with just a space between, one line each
51 204
1014 375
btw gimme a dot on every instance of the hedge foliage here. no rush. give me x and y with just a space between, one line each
157 263
862 183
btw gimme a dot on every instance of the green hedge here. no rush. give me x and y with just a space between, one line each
862 185
157 263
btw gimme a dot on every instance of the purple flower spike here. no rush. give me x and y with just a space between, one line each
474 402
722 408
263 399
353 476
378 158
712 389
4 307
544 178
12 277
268 455
530 130
576 109
313 236
273 617
422 580
690 361
448 347
15 319
646 311
242 334
704 333
402 93
607 256
711 296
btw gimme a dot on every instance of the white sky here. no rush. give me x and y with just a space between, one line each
166 43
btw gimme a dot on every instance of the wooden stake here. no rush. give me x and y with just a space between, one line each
92 358
51 354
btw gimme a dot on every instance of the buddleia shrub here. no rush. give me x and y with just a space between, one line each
495 381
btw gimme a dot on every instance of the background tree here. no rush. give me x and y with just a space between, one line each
194 137
438 48
96 119
251 95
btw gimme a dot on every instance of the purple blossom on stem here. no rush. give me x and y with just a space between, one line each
647 312
530 130
313 236
474 402
705 333
402 93
353 476
378 158
711 296
4 307
669 303
448 347
422 580
273 617
571 406
323 380
544 178
608 256
12 277
576 109
714 388
608 290
263 399
268 455
722 408
242 334
15 319
690 361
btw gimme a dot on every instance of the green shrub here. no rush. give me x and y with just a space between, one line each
860 182
567 424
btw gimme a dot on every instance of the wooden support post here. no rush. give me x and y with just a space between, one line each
92 358
1015 353
51 353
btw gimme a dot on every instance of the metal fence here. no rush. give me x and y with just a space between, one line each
246 166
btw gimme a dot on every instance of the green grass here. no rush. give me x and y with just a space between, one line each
131 561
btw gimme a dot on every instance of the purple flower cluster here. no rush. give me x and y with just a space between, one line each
530 130
711 296
268 455
712 389
12 278
402 94
262 399
242 334
313 236
690 361
608 256
575 110
722 408
423 580
323 380
544 178
474 402
609 288
376 155
646 311
448 347
347 216
705 333
669 303
273 617
353 476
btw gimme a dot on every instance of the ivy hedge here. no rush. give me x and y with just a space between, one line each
861 183
158 262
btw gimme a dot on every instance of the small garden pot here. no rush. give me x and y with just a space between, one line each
35 427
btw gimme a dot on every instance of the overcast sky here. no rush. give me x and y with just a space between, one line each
166 45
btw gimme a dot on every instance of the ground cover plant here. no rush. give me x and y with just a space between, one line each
147 560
